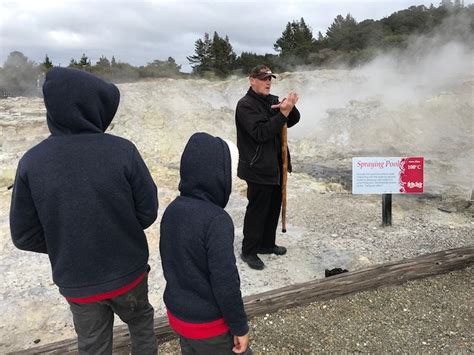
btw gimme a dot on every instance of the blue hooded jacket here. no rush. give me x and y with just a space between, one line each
82 196
197 240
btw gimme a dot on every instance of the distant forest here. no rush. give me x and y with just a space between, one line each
346 42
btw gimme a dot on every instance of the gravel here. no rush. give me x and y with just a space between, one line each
430 316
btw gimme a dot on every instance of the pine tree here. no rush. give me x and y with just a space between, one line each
213 56
222 55
342 34
286 43
202 60
84 62
296 41
47 64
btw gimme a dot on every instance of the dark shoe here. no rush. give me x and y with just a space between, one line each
277 250
253 261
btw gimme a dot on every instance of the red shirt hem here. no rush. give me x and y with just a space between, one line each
197 330
108 295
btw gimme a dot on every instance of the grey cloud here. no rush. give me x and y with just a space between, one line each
141 31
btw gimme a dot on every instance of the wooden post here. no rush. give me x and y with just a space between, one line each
386 210
284 174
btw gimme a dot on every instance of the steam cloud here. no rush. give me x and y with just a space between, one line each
416 101
429 65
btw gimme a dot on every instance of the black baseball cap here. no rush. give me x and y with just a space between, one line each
261 72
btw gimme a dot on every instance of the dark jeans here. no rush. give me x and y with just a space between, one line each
219 345
261 217
94 322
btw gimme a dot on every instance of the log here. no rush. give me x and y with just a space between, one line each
388 274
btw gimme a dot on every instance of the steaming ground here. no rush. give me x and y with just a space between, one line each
327 225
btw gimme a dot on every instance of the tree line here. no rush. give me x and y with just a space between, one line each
346 41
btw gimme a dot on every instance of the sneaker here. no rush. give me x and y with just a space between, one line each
253 261
277 250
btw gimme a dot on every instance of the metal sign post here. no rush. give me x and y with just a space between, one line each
386 210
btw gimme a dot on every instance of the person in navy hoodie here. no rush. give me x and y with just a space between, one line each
202 295
84 198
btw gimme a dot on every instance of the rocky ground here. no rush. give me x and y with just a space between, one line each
328 227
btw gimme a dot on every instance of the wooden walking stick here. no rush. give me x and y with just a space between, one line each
284 175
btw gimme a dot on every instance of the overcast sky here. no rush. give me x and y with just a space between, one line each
137 32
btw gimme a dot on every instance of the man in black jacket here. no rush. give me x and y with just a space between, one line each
84 198
260 118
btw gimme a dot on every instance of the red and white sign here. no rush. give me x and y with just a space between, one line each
392 175
411 175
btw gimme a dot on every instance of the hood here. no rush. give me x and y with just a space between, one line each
205 169
78 102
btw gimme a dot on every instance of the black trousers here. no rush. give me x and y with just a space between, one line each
261 217
94 322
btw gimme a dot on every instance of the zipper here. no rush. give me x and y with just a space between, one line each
256 156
